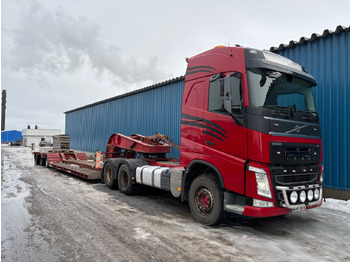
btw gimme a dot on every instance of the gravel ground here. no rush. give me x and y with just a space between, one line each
51 216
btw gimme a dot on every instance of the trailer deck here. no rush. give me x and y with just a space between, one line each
84 172
70 162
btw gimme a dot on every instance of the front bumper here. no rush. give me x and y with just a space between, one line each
285 206
300 206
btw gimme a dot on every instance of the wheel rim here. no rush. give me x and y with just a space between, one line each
108 174
204 200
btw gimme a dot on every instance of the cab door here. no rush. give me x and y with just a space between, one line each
224 136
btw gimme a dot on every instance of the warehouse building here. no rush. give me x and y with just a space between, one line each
327 58
157 109
35 136
148 111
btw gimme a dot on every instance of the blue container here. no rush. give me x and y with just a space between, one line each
154 109
327 58
11 136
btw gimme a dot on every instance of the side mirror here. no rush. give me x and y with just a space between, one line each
227 94
233 93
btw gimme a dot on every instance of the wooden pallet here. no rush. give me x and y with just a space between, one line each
61 143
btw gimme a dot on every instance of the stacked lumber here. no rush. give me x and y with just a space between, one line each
61 143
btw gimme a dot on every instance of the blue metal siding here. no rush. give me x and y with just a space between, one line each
327 59
146 113
10 136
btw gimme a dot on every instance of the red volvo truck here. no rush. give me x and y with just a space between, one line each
250 140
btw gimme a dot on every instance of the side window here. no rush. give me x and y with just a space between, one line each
216 94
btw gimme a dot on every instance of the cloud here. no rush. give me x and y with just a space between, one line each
56 43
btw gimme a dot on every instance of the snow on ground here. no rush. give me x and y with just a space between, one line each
50 216
336 204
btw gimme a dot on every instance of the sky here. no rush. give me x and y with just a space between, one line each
57 55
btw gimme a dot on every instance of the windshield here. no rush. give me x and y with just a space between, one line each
273 89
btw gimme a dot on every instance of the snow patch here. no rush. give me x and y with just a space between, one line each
339 205
141 234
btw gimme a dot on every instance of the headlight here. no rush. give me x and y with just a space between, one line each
302 196
316 193
293 197
310 195
321 177
262 181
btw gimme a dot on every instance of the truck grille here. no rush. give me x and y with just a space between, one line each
292 176
296 179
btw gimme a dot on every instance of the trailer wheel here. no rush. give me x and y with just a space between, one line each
37 159
125 181
42 161
109 174
206 200
47 163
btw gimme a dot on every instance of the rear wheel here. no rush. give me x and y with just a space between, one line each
109 174
42 161
37 159
206 200
47 163
125 183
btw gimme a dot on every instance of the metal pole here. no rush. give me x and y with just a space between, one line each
3 109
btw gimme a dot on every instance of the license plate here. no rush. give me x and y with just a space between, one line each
302 208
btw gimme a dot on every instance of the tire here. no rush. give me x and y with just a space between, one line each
47 163
109 175
42 161
125 183
206 200
37 159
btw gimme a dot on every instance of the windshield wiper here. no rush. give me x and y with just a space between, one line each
309 113
281 109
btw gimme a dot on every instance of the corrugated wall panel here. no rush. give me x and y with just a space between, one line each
147 112
10 136
327 59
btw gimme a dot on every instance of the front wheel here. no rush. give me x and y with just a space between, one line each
206 200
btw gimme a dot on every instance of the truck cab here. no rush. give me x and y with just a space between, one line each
249 130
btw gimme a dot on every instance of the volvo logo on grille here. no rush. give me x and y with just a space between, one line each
297 128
